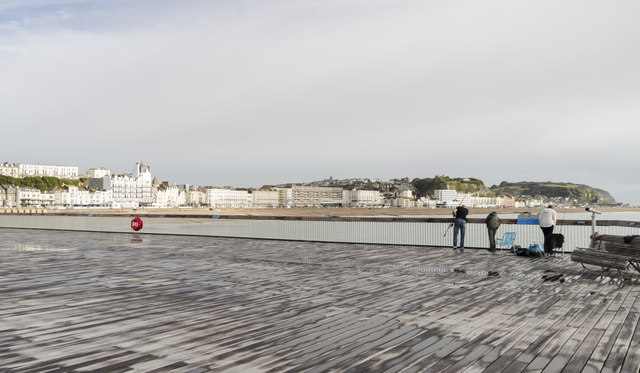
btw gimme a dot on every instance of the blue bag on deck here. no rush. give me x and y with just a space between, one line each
536 249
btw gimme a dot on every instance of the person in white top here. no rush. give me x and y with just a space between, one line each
547 220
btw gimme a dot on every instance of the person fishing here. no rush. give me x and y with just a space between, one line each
493 222
547 219
459 225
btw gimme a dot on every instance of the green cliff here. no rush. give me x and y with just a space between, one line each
577 193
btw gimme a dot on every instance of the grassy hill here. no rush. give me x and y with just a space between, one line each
576 192
39 182
426 186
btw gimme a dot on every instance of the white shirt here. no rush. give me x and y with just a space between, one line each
547 217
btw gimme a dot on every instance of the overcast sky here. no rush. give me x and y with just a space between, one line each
246 93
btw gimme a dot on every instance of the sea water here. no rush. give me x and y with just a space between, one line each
622 216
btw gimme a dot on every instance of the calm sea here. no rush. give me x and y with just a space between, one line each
625 216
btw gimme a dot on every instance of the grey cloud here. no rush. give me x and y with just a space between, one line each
288 90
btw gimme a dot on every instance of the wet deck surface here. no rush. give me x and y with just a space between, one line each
77 302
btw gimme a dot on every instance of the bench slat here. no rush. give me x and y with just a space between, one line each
615 244
600 258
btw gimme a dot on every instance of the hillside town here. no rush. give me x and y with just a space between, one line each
100 188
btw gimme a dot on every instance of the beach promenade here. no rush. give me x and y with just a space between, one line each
100 302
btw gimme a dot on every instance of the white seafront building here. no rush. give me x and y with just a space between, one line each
445 195
491 202
97 173
105 189
133 189
9 169
362 198
170 197
77 197
451 198
265 198
19 170
315 196
194 197
28 196
285 197
227 198
71 196
426 202
9 196
272 198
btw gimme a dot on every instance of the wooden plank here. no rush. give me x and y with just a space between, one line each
632 358
559 354
489 331
521 339
581 358
621 306
527 347
194 304
617 357
401 354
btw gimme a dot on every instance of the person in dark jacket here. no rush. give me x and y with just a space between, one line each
493 222
459 225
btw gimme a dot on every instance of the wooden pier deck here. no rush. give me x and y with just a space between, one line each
86 302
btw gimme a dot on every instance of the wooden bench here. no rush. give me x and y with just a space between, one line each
598 258
610 252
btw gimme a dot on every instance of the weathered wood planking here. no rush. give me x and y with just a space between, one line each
101 302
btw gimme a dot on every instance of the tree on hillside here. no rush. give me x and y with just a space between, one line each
426 186
40 182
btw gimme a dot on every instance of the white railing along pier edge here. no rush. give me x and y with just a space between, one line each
433 232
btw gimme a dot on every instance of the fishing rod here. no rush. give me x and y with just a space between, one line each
447 231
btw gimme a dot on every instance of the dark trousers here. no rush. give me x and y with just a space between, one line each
548 238
492 237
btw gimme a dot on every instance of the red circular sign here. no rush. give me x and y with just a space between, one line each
136 224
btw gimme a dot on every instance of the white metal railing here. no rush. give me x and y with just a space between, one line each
394 231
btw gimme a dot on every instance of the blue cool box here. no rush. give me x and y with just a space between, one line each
528 221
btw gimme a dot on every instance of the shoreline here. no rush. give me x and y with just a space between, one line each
308 212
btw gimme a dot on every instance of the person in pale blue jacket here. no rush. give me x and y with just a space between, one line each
547 220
